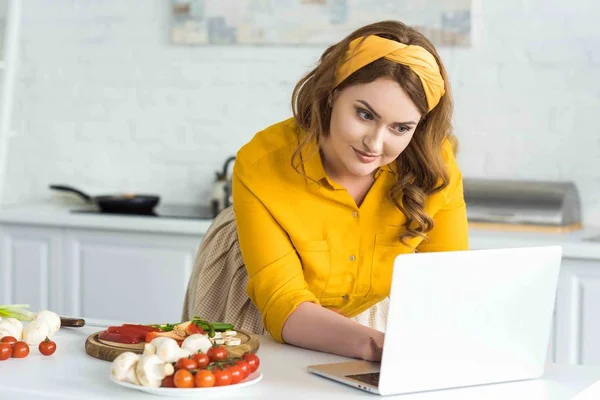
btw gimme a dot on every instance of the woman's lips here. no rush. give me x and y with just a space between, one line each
365 157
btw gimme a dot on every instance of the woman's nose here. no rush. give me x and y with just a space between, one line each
374 141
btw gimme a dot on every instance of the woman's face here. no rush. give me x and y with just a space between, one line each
371 124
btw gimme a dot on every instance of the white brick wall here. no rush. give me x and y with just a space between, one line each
103 100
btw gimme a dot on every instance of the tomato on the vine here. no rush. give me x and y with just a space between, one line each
252 360
245 368
183 379
201 359
222 377
217 353
204 378
186 363
168 382
236 374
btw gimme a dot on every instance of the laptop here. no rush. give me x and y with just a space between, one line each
459 319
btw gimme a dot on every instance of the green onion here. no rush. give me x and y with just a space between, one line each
165 327
212 326
17 311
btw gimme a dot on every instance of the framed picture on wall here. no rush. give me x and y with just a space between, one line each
312 22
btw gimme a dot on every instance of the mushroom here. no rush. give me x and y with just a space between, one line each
11 327
51 318
36 331
151 370
166 349
123 368
195 343
150 348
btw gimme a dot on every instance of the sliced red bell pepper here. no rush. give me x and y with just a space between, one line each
118 337
143 327
130 331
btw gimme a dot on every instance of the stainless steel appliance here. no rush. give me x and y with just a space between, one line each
531 205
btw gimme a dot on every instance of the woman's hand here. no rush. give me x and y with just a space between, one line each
373 348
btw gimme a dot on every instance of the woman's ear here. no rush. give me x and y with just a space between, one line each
336 94
333 97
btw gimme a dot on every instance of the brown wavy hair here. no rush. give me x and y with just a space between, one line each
421 168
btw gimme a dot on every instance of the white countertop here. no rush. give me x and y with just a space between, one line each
573 243
61 216
71 374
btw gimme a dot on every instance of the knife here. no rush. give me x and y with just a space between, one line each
71 322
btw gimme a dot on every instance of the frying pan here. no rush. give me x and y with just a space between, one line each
116 203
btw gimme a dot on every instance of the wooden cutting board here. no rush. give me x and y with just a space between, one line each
108 351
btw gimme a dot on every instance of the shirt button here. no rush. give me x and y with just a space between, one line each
346 297
355 214
352 257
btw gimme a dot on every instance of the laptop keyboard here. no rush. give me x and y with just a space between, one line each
371 378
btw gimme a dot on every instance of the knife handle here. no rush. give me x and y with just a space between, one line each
72 322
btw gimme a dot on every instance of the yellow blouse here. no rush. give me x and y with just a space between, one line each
306 240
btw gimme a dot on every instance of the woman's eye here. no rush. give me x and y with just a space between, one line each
402 129
363 114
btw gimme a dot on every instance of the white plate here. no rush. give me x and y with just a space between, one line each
254 377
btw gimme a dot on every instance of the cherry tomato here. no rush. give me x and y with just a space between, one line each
20 350
252 360
5 351
47 347
245 368
168 382
217 353
201 359
183 379
204 378
222 377
9 339
236 374
186 363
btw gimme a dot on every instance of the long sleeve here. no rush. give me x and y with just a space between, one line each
276 283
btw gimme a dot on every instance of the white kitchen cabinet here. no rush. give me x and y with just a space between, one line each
578 313
134 277
31 266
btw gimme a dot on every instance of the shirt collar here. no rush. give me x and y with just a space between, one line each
391 167
311 157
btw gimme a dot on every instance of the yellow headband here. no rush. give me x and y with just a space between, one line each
416 57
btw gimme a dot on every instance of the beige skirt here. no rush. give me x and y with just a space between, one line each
217 287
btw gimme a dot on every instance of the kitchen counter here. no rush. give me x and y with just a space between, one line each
573 243
71 374
61 216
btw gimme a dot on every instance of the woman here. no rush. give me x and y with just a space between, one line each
325 201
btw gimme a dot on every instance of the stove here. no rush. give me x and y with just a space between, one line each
182 211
